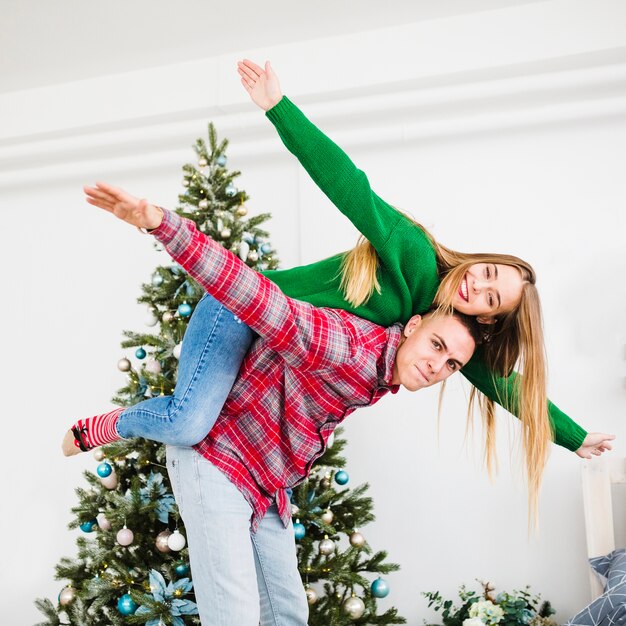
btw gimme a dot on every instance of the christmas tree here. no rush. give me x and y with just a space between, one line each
132 565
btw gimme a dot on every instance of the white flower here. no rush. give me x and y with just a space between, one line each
473 621
489 613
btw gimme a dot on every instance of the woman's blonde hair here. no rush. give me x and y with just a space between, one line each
515 339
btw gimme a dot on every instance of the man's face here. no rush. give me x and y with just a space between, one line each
434 347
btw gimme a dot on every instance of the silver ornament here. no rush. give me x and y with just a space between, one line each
176 351
99 454
225 233
311 595
357 539
354 607
110 482
327 546
253 256
125 536
161 541
327 516
176 541
123 365
153 366
167 317
67 596
157 280
294 509
242 210
103 522
203 204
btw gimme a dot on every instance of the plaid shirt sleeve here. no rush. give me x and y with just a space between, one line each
307 337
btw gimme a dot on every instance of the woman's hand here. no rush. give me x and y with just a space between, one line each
134 211
595 444
261 84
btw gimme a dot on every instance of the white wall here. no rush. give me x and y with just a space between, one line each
503 130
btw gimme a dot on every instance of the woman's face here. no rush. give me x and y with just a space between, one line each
488 290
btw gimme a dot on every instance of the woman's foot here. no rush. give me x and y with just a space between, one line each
88 434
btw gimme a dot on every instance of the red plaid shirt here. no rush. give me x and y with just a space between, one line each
309 368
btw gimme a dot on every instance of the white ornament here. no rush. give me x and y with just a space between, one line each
103 522
176 350
125 536
98 454
123 365
176 541
244 248
327 516
67 596
168 316
203 204
153 366
294 509
253 256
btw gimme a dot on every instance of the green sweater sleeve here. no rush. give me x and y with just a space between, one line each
567 432
345 185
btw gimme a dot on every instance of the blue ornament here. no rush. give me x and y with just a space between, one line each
104 470
221 160
230 190
189 290
157 280
89 527
266 248
126 605
380 588
140 353
184 310
182 569
176 269
342 477
310 496
299 531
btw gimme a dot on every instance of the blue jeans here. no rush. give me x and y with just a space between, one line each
240 578
214 346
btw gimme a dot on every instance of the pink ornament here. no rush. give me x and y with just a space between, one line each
125 536
103 522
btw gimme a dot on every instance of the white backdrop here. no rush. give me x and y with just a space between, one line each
501 131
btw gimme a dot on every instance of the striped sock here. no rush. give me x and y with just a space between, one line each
97 430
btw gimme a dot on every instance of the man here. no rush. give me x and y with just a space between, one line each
308 369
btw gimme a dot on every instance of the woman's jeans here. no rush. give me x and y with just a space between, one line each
240 578
214 346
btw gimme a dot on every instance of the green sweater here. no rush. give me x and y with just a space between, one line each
407 269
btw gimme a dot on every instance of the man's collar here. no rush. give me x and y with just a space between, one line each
388 357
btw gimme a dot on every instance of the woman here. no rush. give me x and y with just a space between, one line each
398 270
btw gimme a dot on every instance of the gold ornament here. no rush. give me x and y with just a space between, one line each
327 546
67 596
242 210
311 595
328 516
354 607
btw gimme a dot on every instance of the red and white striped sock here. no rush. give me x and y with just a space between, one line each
100 429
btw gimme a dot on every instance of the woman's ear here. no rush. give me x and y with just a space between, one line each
486 319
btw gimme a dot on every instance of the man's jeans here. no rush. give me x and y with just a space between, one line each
240 578
214 346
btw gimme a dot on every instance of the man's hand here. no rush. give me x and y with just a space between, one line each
132 210
261 84
595 444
